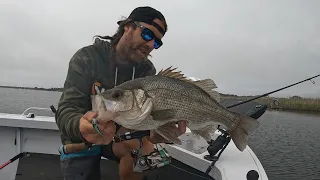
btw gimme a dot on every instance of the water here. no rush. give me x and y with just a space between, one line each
287 143
17 100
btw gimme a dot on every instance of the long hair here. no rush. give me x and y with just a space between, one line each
117 36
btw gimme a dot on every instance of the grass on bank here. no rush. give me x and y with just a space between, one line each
294 103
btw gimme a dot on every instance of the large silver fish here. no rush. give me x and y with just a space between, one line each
151 102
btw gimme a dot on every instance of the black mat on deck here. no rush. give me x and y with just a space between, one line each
47 167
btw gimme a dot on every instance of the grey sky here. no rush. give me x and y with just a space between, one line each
247 47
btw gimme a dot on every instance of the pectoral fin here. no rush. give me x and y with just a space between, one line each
167 131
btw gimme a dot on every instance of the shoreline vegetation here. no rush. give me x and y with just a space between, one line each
293 103
34 88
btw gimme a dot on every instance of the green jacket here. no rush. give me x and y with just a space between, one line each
88 66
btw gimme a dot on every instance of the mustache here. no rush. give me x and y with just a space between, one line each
145 48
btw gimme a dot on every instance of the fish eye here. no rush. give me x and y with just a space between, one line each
117 93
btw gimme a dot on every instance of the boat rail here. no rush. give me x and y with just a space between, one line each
34 108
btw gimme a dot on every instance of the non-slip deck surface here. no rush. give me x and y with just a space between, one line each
47 167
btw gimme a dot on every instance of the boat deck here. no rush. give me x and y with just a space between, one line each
43 166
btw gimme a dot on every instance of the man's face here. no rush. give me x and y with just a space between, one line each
133 46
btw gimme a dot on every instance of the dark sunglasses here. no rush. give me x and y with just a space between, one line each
148 35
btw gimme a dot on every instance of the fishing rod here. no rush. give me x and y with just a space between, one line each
13 159
266 94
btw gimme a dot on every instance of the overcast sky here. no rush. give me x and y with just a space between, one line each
247 47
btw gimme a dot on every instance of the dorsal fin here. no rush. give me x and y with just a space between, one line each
207 84
169 72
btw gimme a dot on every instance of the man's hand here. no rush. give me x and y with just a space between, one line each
126 159
175 131
107 128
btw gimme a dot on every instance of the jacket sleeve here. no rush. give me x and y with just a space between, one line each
75 99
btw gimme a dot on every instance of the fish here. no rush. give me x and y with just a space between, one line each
153 102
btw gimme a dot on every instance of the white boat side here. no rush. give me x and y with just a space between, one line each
40 134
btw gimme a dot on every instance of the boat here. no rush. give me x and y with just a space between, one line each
30 143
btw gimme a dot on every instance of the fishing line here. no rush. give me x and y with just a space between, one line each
266 94
276 103
268 135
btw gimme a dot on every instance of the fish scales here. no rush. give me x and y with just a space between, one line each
195 111
175 94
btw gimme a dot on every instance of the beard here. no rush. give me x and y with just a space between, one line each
131 51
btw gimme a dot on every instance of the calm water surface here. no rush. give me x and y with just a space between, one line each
287 144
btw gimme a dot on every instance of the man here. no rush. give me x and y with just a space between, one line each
104 65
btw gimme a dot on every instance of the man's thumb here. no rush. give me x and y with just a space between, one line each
89 115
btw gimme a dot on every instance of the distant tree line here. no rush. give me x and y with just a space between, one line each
34 88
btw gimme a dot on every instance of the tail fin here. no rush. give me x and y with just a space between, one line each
245 127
